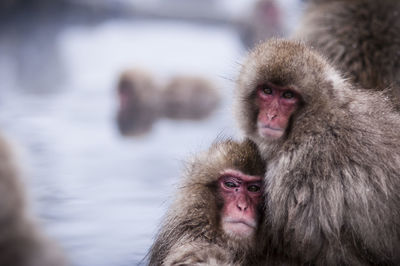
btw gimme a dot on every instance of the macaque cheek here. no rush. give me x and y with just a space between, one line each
282 122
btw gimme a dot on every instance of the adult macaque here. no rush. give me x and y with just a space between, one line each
361 38
21 242
333 153
187 97
215 216
139 102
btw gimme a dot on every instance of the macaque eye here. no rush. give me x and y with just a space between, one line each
265 89
288 95
254 188
230 184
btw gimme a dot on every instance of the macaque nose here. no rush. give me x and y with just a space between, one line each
271 116
242 203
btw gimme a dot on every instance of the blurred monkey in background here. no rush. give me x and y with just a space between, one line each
265 20
142 102
189 97
139 102
21 241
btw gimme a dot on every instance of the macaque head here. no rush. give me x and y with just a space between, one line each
221 198
126 93
139 102
241 196
280 81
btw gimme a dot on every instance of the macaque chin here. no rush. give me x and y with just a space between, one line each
241 196
276 104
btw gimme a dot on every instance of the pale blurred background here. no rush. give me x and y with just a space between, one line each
101 195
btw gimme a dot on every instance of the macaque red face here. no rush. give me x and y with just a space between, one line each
242 195
276 105
125 94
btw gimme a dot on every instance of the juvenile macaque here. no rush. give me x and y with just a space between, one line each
214 219
333 151
188 97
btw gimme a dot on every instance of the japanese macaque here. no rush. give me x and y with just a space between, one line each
360 37
21 242
215 217
268 19
187 97
333 154
265 21
142 102
139 102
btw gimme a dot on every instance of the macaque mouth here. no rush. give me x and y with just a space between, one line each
265 128
233 221
268 127
269 132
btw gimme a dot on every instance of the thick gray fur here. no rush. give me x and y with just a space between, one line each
333 180
360 37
